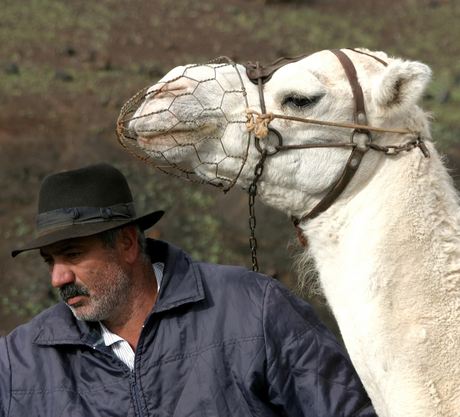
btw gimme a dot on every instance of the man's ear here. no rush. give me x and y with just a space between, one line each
128 244
400 86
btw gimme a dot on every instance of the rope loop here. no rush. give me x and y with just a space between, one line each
259 125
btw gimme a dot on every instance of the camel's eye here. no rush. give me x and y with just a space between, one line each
300 102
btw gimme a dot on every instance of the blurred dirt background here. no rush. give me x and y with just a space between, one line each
67 67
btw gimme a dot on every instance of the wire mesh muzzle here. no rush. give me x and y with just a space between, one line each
184 135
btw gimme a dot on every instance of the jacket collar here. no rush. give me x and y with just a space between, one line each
60 327
182 284
182 281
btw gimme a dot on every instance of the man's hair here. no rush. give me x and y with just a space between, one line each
109 239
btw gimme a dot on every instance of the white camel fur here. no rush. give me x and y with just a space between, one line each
388 250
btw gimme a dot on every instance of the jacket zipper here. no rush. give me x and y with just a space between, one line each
136 392
133 378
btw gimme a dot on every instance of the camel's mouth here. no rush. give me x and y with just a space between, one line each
145 142
157 139
171 142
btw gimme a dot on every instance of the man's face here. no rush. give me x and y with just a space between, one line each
89 277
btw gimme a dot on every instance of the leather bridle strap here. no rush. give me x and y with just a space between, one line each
358 96
372 56
353 163
255 71
357 154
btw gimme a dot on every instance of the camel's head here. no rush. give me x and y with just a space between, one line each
194 120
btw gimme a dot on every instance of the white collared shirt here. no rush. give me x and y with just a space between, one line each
120 346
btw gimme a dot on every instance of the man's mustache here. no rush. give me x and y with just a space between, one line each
71 290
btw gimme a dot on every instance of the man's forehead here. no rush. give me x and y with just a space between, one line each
69 244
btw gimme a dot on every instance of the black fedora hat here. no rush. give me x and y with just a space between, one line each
84 202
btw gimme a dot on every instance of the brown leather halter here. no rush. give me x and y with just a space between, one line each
259 75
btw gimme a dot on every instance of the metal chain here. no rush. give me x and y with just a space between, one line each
252 210
393 150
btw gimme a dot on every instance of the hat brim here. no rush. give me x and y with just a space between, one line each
84 230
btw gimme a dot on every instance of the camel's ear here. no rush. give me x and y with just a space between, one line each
400 86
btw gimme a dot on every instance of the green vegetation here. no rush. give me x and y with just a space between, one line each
28 302
18 228
40 23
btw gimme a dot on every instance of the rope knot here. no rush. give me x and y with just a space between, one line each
259 125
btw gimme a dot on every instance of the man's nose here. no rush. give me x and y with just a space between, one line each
61 275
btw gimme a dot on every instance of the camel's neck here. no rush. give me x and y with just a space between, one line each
387 260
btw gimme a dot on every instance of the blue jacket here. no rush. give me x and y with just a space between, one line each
220 341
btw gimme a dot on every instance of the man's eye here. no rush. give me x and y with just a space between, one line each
73 255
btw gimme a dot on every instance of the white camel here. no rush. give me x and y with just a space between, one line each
387 251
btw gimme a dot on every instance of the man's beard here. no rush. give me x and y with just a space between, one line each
106 298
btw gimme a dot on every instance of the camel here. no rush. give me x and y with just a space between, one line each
387 250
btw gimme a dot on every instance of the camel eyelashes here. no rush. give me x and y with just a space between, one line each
300 102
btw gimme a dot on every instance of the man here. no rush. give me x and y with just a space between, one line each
142 329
